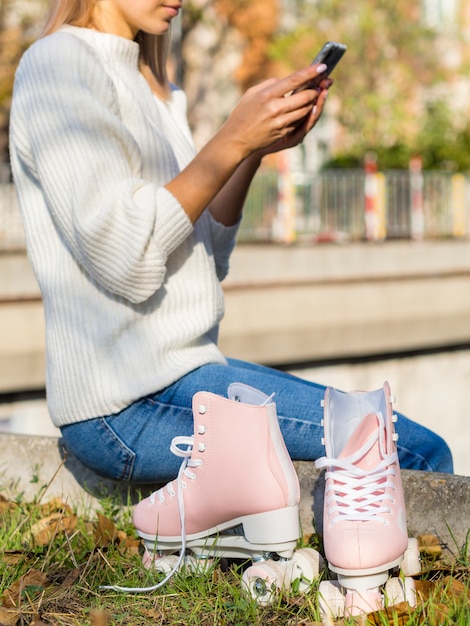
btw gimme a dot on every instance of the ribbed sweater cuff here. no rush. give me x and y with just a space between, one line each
173 223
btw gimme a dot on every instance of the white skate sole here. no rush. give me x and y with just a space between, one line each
272 531
269 540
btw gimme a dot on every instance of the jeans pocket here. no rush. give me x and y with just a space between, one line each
98 447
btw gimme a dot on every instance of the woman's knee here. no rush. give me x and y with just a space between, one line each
422 449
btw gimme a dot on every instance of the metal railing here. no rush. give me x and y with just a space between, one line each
332 205
348 204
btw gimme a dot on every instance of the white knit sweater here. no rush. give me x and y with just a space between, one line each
131 289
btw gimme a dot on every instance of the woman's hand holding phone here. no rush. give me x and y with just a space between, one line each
277 114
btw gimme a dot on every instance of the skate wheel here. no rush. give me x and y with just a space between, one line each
198 565
330 599
411 566
400 590
164 564
308 563
167 563
263 581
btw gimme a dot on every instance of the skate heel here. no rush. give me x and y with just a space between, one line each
352 595
358 603
363 593
272 527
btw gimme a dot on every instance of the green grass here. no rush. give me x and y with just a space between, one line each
54 577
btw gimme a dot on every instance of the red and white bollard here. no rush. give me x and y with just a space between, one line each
417 202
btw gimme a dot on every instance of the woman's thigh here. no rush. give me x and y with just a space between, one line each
135 443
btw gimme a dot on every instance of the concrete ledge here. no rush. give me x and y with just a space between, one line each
438 504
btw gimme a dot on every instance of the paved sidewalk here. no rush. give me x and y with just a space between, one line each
438 504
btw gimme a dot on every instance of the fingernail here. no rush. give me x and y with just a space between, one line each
321 68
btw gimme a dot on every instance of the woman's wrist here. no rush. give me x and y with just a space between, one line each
255 158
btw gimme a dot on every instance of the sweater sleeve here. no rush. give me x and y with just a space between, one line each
69 137
223 243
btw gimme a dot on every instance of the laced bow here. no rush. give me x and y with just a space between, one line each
181 484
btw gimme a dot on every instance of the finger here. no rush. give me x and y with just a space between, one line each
326 83
265 84
301 101
321 100
317 110
297 79
296 116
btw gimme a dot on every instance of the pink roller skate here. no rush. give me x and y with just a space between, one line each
236 496
364 525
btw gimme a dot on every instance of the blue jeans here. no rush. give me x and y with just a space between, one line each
134 444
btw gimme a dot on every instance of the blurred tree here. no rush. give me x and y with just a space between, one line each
383 97
441 143
17 29
225 49
392 59
257 22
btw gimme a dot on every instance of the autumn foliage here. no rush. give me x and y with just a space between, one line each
257 22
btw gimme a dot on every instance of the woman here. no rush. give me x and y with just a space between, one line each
129 232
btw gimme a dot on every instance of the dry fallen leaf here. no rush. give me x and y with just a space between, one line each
439 615
105 531
455 588
430 545
152 614
37 621
398 615
33 581
53 506
128 545
424 589
444 588
48 527
9 617
12 557
100 618
6 505
71 577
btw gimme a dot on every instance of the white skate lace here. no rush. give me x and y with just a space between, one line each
356 494
160 494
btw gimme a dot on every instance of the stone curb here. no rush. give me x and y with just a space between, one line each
437 504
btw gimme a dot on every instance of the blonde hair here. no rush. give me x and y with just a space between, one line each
154 49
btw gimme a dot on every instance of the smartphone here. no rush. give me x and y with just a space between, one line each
330 54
